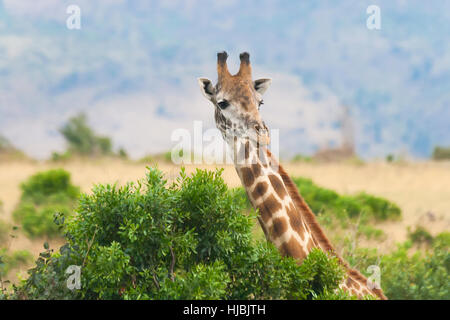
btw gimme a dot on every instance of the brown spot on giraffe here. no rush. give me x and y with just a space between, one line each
269 206
260 190
256 168
247 176
247 150
295 221
292 248
280 226
278 186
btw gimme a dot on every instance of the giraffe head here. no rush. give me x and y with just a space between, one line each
237 99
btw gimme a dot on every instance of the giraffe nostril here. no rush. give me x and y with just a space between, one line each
257 127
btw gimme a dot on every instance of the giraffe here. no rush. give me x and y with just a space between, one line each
284 216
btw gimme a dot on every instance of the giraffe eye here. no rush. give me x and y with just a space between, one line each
260 103
223 104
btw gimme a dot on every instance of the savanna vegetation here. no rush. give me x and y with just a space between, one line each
186 240
197 238
194 239
43 195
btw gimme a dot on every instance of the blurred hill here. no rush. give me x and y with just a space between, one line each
133 67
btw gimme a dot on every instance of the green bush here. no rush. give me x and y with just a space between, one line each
418 276
326 201
49 186
187 240
441 153
442 240
42 222
406 275
420 236
379 208
43 195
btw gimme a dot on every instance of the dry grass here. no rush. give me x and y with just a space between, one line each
422 190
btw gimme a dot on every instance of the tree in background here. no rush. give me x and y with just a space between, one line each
82 140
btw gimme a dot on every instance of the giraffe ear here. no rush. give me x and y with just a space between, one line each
207 88
261 85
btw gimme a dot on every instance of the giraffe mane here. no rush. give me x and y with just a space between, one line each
317 232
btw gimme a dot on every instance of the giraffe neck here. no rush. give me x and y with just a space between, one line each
278 216
285 218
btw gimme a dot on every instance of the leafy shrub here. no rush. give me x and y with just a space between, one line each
420 276
326 201
43 195
187 240
379 208
52 183
406 275
442 240
441 153
42 222
420 235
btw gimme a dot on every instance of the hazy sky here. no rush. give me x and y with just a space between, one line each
133 67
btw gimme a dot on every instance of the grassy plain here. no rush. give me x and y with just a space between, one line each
420 189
